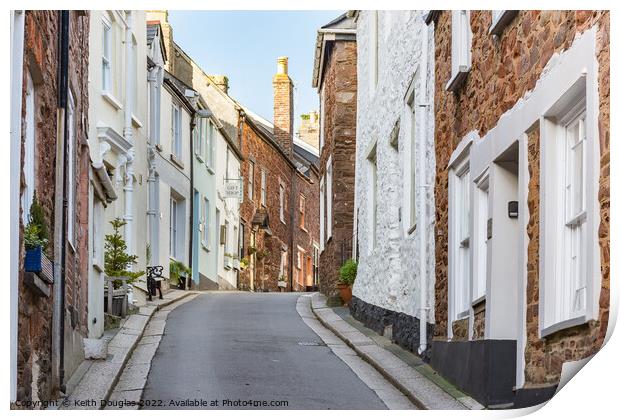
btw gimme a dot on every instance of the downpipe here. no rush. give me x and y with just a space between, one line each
424 190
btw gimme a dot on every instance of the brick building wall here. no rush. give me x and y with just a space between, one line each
35 329
503 70
266 157
339 119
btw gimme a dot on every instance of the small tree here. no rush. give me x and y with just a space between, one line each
117 261
348 272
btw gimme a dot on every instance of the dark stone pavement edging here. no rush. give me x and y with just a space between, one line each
99 380
420 390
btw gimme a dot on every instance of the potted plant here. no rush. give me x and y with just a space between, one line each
178 271
282 282
348 272
244 263
35 238
117 263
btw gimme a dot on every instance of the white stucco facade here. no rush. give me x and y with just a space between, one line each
117 141
390 112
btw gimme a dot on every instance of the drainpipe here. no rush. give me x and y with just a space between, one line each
293 227
128 134
188 284
424 189
63 76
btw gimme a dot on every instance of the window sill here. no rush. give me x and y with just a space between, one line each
457 80
176 161
498 26
199 158
97 266
159 147
479 300
283 222
303 228
205 247
112 100
210 169
136 122
412 229
562 325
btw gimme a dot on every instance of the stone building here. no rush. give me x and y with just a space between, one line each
335 78
309 128
49 101
522 198
394 169
278 213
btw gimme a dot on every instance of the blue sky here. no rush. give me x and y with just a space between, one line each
244 45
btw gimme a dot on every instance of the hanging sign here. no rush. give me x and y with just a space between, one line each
232 188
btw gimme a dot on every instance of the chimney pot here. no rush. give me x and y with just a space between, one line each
282 65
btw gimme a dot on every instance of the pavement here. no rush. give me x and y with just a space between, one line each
95 380
240 350
415 379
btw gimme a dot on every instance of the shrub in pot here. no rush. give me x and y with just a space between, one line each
35 237
348 272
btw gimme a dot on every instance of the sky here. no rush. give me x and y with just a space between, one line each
244 45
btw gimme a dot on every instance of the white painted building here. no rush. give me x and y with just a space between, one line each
395 167
227 172
117 141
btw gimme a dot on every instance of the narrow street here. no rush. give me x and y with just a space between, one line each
238 346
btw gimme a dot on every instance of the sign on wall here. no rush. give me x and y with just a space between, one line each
232 188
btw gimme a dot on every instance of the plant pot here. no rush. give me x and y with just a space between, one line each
282 283
346 294
32 261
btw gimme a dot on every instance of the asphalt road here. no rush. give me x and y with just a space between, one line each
237 347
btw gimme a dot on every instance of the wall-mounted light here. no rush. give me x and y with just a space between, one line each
513 209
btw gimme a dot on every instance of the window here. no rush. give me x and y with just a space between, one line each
71 169
329 198
98 223
460 241
482 238
283 257
322 120
315 264
461 48
410 147
374 50
251 181
210 144
29 148
300 257
134 77
373 202
282 203
263 188
225 234
106 56
174 217
302 212
241 240
322 213
176 130
200 138
206 222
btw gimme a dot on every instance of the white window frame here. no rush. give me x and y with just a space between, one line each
322 120
175 131
107 53
29 150
461 49
282 201
263 187
251 181
558 290
210 145
409 126
98 223
480 241
373 202
206 223
173 240
200 139
329 182
322 213
302 211
71 143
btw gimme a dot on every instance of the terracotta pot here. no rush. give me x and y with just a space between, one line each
346 294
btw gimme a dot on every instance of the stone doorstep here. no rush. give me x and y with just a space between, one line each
99 380
420 390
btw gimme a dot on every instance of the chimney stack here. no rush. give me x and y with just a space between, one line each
283 107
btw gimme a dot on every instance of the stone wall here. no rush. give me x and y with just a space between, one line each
339 118
389 275
503 69
41 54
